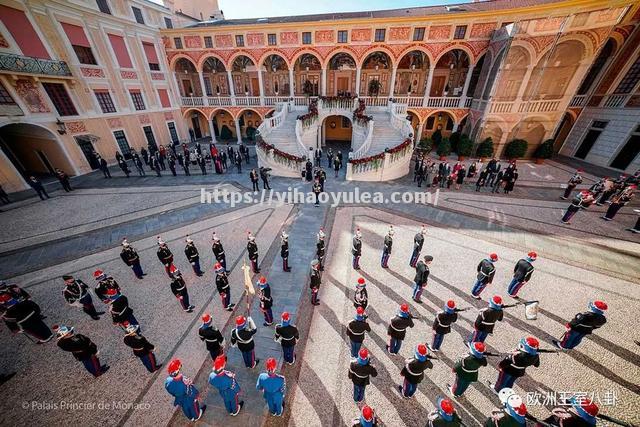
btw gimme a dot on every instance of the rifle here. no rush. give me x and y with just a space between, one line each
513 305
486 353
546 350
458 310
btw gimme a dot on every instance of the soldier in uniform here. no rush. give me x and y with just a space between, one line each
360 371
442 324
466 368
572 184
76 293
222 284
242 336
398 328
360 296
486 271
22 315
418 241
193 256
14 291
218 251
487 319
179 289
131 258
413 371
521 274
165 256
184 392
228 387
582 324
120 310
211 336
514 365
104 284
314 283
512 414
582 413
273 387
386 250
142 348
356 249
367 417
287 335
444 415
320 248
252 249
284 251
356 330
421 277
82 348
266 301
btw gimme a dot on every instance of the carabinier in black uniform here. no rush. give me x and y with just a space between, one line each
23 315
487 319
386 250
193 256
218 251
284 251
287 335
320 249
360 370
252 249
179 289
356 249
82 348
514 365
398 328
165 256
242 336
105 283
315 281
76 292
356 331
121 313
418 241
211 336
582 324
141 347
222 284
131 258
442 324
582 413
14 291
413 371
521 274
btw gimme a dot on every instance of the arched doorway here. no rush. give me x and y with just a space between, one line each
275 76
450 74
245 77
214 75
34 150
188 78
337 136
198 124
375 76
307 72
224 126
411 77
342 75
249 120
441 121
513 74
552 76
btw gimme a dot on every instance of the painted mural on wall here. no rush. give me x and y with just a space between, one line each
32 97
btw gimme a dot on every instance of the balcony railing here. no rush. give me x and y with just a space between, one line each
578 101
31 65
540 106
615 101
501 107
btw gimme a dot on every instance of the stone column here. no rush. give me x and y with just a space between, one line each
261 85
238 131
291 91
392 91
323 83
232 91
213 133
467 82
358 71
418 134
427 91
202 88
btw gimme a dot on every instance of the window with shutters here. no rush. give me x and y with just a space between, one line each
105 101
418 34
138 100
239 40
173 133
123 144
60 99
85 55
137 13
103 6
168 23
177 41
151 140
630 79
152 56
343 36
461 31
380 33
208 42
272 40
306 37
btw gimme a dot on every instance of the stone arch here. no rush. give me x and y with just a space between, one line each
469 54
208 55
178 57
336 51
193 109
512 77
276 52
376 67
275 79
420 48
377 49
341 74
598 65
307 66
440 119
302 52
187 77
412 73
248 122
215 111
450 72
244 74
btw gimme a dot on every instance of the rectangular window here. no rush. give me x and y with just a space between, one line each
105 101
306 37
120 49
103 6
208 42
272 40
342 36
164 98
239 40
177 41
5 97
628 153
207 86
80 43
18 24
84 54
137 13
461 31
599 124
630 79
151 140
173 133
123 144
60 99
418 34
152 56
590 138
168 23
380 33
138 101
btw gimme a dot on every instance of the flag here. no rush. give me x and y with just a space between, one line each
248 285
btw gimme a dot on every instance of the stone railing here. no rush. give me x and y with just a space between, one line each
375 101
286 164
275 121
193 101
398 119
391 164
578 101
366 144
501 106
337 105
539 106
220 101
615 101
32 65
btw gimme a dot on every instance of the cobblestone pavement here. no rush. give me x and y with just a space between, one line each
78 232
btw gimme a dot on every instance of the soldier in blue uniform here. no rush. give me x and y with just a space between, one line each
442 324
228 387
284 251
356 331
512 414
367 418
222 284
514 365
444 415
131 258
398 328
356 249
211 336
185 394
315 281
104 284
82 348
273 387
521 274
120 310
320 248
266 301
360 296
287 335
486 271
142 348
413 371
165 255
193 256
421 277
581 325
360 371
418 241
486 320
179 289
252 249
386 250
76 293
242 336
466 368
218 251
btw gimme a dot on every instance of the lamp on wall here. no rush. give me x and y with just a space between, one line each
62 128
439 117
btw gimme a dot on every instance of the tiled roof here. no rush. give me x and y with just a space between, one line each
416 12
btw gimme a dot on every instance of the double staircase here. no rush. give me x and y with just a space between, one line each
382 139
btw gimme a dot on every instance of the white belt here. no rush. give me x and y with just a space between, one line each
467 370
409 370
287 339
242 341
211 340
359 376
355 333
399 330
